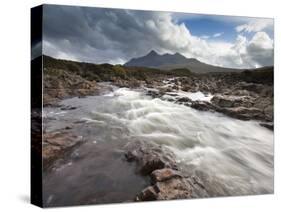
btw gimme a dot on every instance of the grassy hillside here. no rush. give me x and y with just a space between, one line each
107 72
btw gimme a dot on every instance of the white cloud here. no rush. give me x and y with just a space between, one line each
260 49
243 53
212 36
255 25
205 36
262 40
217 34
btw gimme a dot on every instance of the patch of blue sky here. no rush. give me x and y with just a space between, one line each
217 27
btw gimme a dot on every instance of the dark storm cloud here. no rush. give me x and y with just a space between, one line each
263 57
96 35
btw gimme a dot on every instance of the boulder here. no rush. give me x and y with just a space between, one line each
150 157
254 87
167 181
222 101
268 125
147 194
186 88
184 100
154 93
173 188
243 113
232 101
203 106
62 139
164 174
268 112
239 92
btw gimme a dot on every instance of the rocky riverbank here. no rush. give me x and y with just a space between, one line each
60 84
235 96
64 79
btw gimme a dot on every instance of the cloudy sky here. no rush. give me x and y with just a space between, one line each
115 36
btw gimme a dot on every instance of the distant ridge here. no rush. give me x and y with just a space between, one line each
176 61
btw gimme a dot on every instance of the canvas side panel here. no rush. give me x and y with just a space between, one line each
36 105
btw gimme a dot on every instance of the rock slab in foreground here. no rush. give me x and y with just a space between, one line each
56 145
167 180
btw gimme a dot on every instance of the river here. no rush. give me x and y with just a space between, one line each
230 156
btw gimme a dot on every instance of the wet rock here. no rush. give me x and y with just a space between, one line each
269 126
49 99
186 88
232 101
154 93
132 83
240 93
203 106
50 153
184 100
149 157
198 188
160 175
268 112
164 90
175 87
68 107
241 100
246 112
173 188
243 113
172 94
147 194
131 155
153 83
266 105
56 145
62 139
254 87
222 101
267 92
167 181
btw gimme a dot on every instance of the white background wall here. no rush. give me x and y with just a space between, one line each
15 103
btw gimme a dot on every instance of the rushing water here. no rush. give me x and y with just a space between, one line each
230 156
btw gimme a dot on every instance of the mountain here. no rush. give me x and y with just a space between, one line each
152 59
175 61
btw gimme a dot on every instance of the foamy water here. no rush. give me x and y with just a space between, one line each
194 96
232 154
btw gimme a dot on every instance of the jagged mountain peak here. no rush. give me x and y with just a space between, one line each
152 52
169 61
153 59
